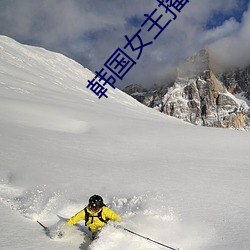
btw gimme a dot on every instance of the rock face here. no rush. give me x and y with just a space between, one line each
201 97
237 81
136 90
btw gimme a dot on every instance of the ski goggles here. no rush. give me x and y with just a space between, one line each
94 208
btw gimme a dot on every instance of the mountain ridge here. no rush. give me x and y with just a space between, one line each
200 95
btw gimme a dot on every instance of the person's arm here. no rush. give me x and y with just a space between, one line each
111 215
77 217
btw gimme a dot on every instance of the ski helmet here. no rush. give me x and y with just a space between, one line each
95 202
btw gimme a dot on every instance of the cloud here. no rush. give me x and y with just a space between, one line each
229 27
89 31
233 49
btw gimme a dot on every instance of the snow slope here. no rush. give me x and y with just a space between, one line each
179 184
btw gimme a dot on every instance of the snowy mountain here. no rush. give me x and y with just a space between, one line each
201 96
237 81
182 185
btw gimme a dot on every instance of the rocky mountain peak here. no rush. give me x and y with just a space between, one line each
237 81
197 64
202 97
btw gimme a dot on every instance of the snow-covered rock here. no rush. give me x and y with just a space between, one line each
199 97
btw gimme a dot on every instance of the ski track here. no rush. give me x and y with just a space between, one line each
144 214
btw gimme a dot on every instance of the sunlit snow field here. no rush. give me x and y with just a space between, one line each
179 184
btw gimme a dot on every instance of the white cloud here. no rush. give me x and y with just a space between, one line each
91 30
233 50
226 29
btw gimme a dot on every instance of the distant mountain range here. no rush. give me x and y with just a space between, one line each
201 94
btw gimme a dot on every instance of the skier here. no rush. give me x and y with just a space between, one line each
95 214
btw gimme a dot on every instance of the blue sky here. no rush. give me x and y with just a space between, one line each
89 31
218 17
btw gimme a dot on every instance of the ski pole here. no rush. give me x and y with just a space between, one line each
146 238
45 228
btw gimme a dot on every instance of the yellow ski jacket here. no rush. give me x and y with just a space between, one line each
94 223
